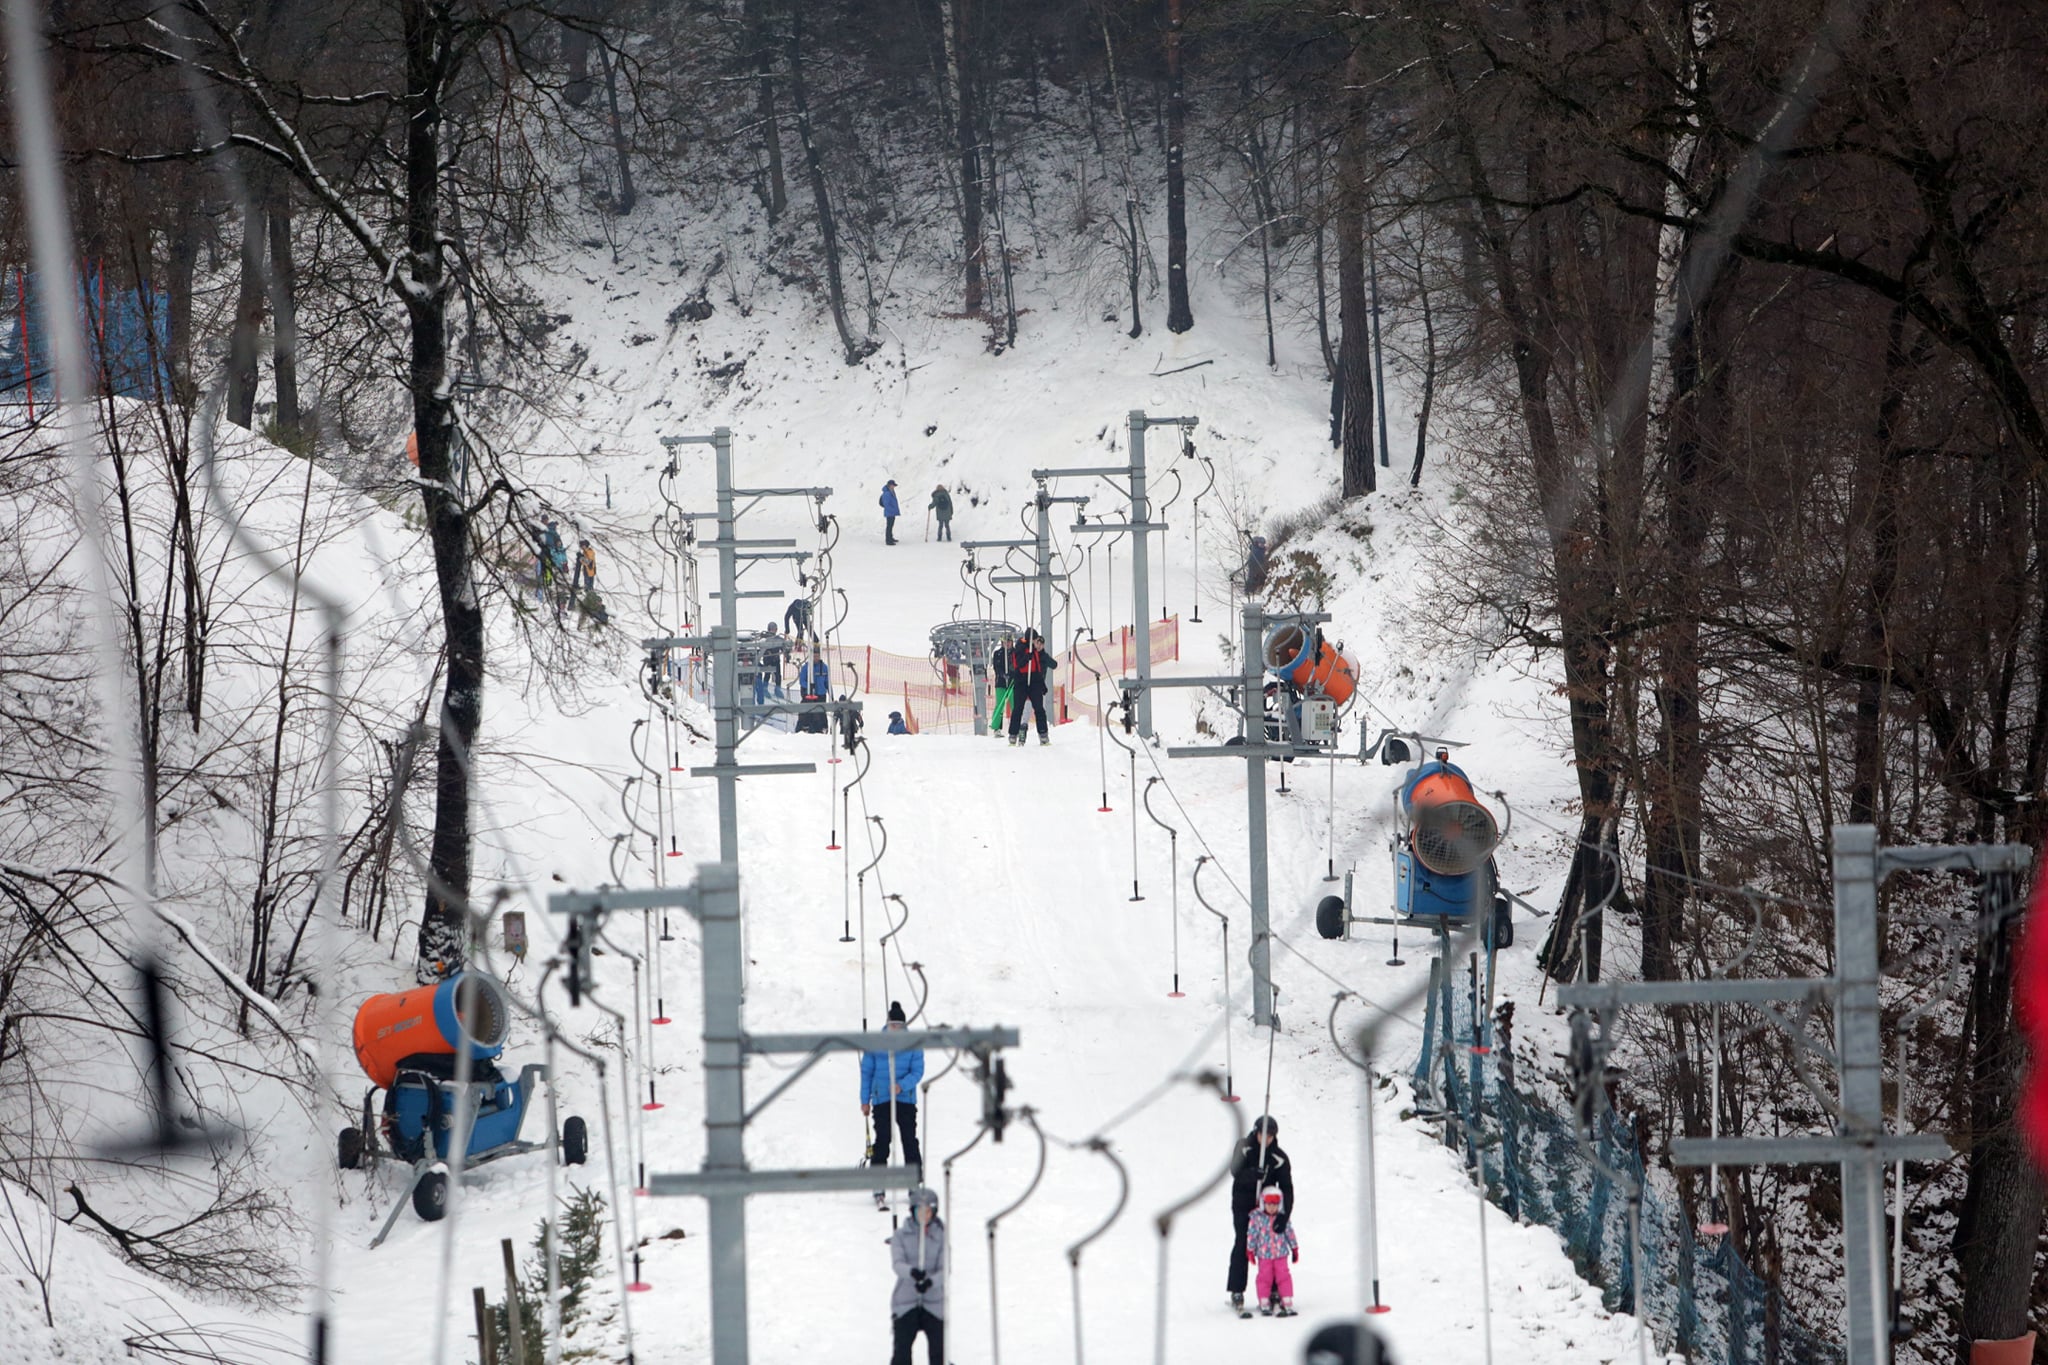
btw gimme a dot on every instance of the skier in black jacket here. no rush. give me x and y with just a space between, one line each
1030 671
1259 1162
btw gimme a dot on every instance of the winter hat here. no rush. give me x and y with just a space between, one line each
896 1006
1268 1125
924 1196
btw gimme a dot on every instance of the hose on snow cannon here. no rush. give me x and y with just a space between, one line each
1301 656
437 1020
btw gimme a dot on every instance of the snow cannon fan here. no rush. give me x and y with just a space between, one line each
431 1020
411 1046
1443 862
1321 680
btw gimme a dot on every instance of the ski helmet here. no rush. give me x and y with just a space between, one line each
1268 1125
924 1197
1271 1195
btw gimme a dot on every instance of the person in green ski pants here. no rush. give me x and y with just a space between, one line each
1005 693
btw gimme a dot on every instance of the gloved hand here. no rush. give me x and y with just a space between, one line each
921 1280
1251 1257
1296 1256
1280 1224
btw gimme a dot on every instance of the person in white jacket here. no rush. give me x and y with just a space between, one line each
918 1251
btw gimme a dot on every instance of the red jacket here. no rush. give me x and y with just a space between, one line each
2030 1003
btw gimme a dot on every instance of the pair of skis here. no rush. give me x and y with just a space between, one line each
1268 1309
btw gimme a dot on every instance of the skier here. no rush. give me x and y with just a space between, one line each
771 665
896 725
1030 666
1000 669
1255 566
586 568
918 1251
1270 1244
814 680
1259 1163
891 510
942 503
893 1090
796 620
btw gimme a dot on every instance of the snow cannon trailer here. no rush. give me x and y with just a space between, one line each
1444 872
412 1044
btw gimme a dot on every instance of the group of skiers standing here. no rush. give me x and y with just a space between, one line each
941 506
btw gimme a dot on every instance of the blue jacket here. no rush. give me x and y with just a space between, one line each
890 507
874 1076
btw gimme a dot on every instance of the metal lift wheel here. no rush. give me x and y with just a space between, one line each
575 1141
348 1149
430 1197
1330 917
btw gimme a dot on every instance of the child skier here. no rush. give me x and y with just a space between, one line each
1271 1251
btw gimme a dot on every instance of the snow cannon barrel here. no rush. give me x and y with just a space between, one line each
434 1020
1302 657
1450 831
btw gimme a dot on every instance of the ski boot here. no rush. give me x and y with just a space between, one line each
1237 1306
1044 739
881 1201
1266 1309
1285 1310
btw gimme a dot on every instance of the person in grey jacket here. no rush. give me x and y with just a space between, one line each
942 503
918 1251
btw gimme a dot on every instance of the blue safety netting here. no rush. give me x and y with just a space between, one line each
127 338
1698 1295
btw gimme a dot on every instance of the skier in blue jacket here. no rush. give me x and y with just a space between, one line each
892 1094
891 509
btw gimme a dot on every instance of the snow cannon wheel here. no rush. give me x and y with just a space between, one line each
575 1141
1501 929
1330 917
430 1197
348 1149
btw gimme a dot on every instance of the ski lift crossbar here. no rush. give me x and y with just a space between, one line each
813 1181
1808 1151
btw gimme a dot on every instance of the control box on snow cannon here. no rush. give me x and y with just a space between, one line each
411 1045
1302 658
431 1020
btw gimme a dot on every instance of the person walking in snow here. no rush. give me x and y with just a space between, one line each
1258 1165
1000 670
892 1089
1030 672
918 1251
1270 1244
942 503
891 509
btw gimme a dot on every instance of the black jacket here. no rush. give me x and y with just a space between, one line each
1246 1177
1030 669
942 503
1002 666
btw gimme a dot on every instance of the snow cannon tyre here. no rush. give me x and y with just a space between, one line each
348 1149
1330 917
1501 931
575 1141
430 1197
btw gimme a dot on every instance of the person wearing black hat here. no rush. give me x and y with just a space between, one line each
1030 669
1259 1163
888 1082
891 509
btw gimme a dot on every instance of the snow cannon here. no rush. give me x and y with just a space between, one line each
1303 658
431 1021
1443 864
412 1045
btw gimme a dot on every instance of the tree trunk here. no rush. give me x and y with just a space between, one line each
181 263
248 321
828 227
442 938
284 309
754 13
1866 749
628 196
1428 368
1179 316
960 70
1354 315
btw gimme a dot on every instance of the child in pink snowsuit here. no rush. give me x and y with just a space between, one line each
1272 1251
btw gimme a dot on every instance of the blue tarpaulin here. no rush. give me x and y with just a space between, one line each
127 332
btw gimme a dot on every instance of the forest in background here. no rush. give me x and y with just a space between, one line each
1727 315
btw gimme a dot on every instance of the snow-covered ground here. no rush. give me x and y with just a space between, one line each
1017 887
